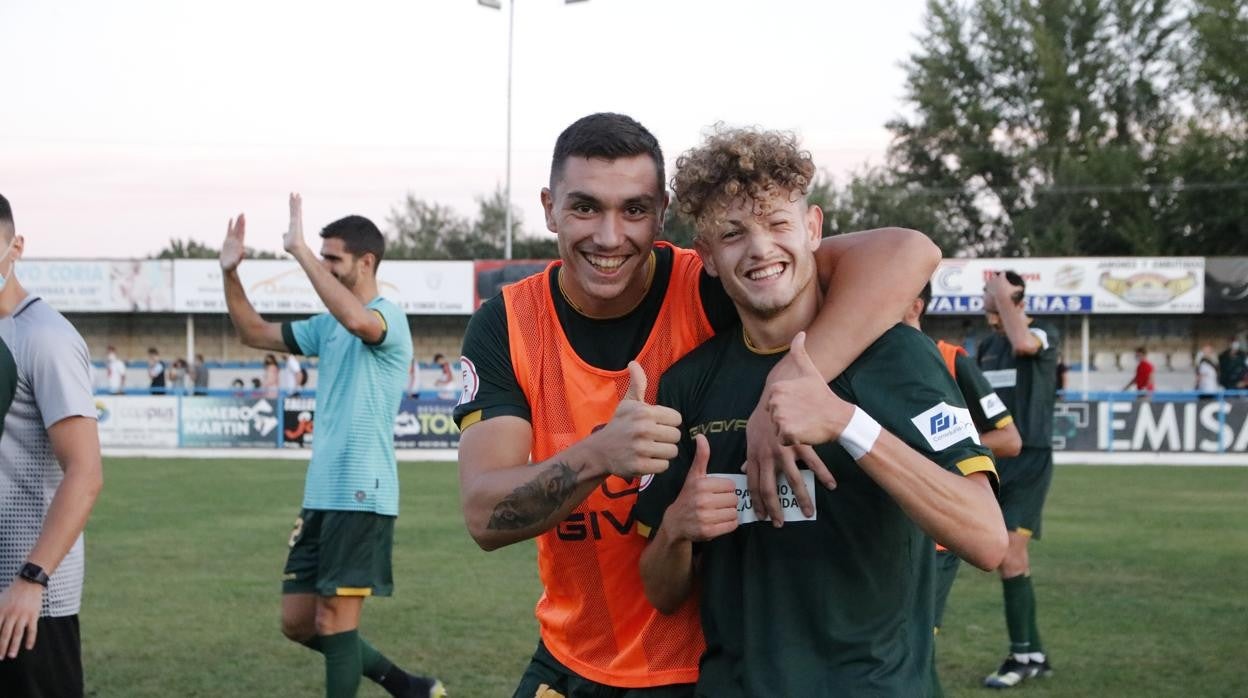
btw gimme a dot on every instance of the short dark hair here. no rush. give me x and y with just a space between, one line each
152 350
1141 350
607 136
6 211
926 296
359 235
438 357
1016 280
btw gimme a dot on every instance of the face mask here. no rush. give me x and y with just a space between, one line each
4 278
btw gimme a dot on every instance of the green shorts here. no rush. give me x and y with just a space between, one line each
340 553
1025 481
547 677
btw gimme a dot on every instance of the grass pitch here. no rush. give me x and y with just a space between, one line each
1140 579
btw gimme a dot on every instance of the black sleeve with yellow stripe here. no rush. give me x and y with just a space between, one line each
902 382
987 408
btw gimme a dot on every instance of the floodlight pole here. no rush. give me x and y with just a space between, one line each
511 23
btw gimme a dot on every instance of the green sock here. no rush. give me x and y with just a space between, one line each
373 664
342 664
1019 609
1033 631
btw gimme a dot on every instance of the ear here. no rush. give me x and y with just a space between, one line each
548 207
814 226
915 310
704 251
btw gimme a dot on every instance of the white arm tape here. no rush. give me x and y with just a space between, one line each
860 434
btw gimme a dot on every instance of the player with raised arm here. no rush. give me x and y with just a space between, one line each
341 546
1019 358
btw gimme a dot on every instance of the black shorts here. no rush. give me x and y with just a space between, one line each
547 677
53 669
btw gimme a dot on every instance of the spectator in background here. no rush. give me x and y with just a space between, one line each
115 369
1062 368
1143 380
238 386
155 370
288 380
175 380
445 383
199 375
1232 366
1206 372
272 375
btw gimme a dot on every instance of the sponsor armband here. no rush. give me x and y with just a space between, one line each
860 434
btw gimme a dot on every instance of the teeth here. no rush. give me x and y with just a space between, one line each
605 262
766 272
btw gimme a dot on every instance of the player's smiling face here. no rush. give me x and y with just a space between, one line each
764 255
607 214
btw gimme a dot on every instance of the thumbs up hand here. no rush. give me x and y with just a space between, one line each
641 438
707 506
803 408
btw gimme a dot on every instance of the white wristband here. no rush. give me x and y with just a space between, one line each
860 434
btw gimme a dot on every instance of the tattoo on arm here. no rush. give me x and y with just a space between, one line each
534 501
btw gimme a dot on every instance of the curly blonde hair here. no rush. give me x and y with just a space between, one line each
735 163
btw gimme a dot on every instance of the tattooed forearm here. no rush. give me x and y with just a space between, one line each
534 501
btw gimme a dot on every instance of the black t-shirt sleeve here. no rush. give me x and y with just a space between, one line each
658 493
986 407
720 311
490 386
903 383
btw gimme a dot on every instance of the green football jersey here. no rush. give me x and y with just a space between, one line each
840 604
1027 384
987 408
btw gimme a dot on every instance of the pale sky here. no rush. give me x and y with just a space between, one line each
127 122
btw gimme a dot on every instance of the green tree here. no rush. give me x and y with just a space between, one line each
1037 123
419 229
186 248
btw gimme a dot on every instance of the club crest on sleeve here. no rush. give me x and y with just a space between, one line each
469 379
991 405
944 425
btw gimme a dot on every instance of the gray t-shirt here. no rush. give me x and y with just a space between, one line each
53 383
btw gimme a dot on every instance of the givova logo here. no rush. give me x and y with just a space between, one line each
944 425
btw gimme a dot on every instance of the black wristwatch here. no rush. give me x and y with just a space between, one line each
34 573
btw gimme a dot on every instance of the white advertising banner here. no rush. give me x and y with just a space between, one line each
1077 285
137 421
280 286
144 286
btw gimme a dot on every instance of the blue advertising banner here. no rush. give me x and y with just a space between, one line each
421 423
229 422
426 423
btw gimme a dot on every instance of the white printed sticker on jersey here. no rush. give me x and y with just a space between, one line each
991 405
1004 378
945 425
468 378
788 500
